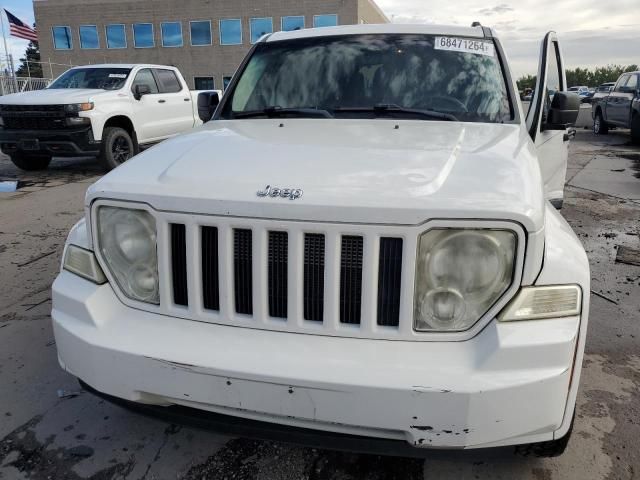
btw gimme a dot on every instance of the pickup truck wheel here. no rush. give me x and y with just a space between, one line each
600 127
117 147
635 129
30 163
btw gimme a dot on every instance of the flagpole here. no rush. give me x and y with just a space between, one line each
6 50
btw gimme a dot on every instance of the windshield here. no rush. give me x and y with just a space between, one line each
379 75
95 78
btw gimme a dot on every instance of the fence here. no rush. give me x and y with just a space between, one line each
9 84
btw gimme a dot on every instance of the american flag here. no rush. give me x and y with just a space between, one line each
18 28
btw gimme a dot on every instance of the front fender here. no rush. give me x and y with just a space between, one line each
566 262
79 236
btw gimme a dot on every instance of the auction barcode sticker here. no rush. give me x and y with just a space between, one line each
117 75
465 45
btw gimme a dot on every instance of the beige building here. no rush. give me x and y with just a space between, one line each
206 39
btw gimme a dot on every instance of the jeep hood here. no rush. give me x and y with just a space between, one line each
57 96
356 171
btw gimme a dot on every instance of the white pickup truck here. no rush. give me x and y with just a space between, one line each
108 111
359 250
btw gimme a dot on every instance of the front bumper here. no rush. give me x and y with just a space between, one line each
60 143
507 385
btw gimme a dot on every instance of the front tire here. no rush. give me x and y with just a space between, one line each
30 163
600 127
635 129
117 147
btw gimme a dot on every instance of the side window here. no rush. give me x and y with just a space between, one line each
145 77
632 84
169 82
621 82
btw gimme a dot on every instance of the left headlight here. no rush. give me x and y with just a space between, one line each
78 107
460 274
127 242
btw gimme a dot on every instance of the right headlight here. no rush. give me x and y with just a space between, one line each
460 274
127 243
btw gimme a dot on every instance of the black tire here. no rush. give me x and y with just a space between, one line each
30 163
600 127
552 448
635 129
117 147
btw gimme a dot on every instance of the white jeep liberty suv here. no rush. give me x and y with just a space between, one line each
362 248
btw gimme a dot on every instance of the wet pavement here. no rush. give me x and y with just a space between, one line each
51 429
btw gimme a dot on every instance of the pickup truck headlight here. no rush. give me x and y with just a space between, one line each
460 274
78 107
127 242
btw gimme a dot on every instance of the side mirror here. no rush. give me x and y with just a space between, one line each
207 104
141 90
563 111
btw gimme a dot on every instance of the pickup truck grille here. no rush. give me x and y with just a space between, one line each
285 277
33 117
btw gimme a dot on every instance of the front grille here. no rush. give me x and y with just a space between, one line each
287 278
33 117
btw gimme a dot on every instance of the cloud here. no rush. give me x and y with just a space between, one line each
498 9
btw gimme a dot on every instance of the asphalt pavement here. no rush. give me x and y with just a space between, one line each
51 429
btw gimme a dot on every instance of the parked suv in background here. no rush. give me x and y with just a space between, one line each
108 111
361 250
620 108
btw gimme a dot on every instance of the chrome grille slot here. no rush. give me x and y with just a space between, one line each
242 270
277 274
179 264
389 281
210 269
351 279
313 293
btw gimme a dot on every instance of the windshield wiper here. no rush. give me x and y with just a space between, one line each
275 111
382 108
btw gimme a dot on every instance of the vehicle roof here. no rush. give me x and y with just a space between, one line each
475 32
123 65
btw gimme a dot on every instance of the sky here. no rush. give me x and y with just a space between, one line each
592 32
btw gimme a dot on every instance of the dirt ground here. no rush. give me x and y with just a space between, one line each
51 429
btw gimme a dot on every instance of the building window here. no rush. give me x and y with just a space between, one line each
260 27
231 32
143 35
325 21
292 23
204 83
200 33
62 38
116 36
225 82
89 37
171 34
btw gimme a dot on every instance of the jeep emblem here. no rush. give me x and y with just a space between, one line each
290 193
